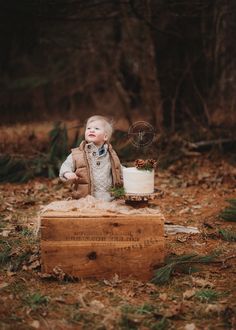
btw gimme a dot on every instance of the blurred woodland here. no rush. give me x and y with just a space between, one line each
170 62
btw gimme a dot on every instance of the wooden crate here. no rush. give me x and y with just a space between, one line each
99 246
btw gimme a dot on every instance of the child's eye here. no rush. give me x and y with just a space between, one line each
97 128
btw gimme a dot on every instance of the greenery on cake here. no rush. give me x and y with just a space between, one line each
117 191
145 165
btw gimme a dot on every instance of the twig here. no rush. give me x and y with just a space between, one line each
226 259
202 144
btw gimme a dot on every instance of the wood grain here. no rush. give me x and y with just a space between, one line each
99 247
112 228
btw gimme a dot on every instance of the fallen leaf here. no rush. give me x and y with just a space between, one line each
182 240
189 293
212 308
95 306
59 273
150 288
59 300
9 273
173 310
203 175
9 217
32 258
128 292
113 282
45 275
163 296
196 206
3 285
34 265
190 326
185 210
35 324
198 244
208 225
5 233
202 283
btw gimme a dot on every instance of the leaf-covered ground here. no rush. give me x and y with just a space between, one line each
195 190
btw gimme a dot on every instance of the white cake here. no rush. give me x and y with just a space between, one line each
138 181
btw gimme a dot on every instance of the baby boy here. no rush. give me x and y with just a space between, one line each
94 166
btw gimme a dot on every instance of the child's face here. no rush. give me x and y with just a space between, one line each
95 132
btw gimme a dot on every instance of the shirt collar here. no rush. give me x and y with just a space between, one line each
103 149
100 150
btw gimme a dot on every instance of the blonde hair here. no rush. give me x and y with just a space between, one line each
108 126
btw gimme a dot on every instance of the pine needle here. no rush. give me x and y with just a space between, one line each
209 295
181 263
227 235
229 213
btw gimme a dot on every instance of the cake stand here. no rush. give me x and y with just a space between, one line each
142 200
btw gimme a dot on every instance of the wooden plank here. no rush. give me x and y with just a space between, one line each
78 214
101 229
101 260
96 214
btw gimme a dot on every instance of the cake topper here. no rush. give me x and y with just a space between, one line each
141 134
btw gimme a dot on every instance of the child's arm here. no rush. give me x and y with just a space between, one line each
67 170
121 171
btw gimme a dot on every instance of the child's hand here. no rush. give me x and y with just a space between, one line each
71 176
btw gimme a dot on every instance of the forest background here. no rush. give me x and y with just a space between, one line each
170 63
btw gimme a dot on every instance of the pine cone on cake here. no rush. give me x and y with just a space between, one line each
148 164
139 163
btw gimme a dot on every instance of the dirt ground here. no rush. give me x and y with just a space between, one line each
195 190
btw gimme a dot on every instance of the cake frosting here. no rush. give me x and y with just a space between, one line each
138 181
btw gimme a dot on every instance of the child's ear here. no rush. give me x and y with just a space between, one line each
105 137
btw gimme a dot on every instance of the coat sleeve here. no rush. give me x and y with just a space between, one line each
67 166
